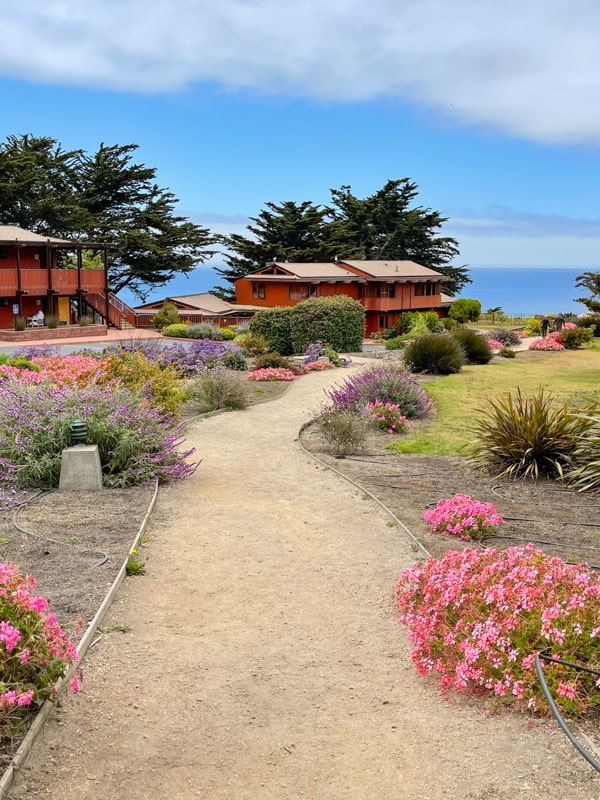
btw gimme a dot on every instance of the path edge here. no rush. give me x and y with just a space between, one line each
19 759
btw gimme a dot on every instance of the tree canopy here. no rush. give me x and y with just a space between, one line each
104 197
385 225
591 282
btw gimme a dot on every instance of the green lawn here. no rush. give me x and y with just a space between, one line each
460 398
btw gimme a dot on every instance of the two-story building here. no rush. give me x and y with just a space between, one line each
49 275
385 288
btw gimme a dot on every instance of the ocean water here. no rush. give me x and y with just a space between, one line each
527 291
522 291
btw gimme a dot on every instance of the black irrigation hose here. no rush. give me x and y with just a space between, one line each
554 708
36 496
533 502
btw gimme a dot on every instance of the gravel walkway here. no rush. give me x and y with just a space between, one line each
262 657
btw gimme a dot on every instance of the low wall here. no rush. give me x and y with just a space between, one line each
47 334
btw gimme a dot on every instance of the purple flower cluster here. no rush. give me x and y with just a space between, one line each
383 383
137 442
189 358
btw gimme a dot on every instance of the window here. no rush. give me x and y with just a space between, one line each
383 322
3 252
426 289
298 292
258 290
386 290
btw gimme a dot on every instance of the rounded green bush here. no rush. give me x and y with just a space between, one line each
178 329
476 348
436 353
276 360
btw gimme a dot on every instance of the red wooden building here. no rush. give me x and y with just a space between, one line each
42 273
385 288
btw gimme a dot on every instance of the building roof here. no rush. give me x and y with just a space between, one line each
283 271
204 302
10 233
395 269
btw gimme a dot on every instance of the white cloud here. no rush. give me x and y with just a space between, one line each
530 69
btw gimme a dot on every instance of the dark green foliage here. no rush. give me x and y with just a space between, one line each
436 353
20 362
591 282
384 226
276 360
586 473
397 343
590 321
504 335
235 360
465 310
275 324
168 314
572 338
105 197
526 437
506 352
448 323
337 321
476 348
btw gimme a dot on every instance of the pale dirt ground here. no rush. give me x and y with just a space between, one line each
264 659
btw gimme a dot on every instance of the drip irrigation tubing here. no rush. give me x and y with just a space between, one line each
554 708
42 493
571 495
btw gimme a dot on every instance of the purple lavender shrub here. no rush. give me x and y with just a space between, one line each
386 383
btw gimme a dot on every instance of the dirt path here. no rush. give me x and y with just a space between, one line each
263 658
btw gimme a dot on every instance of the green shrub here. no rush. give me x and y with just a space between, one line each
252 344
398 342
476 348
51 321
229 333
204 330
333 356
167 315
20 324
344 431
219 389
526 436
506 352
272 360
338 321
448 323
418 326
275 325
465 310
19 362
589 320
234 360
436 353
177 329
585 476
572 338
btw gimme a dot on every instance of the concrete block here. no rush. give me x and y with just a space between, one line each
80 468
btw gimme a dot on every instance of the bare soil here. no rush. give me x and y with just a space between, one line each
259 657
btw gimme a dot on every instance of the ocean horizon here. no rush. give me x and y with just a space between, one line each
518 290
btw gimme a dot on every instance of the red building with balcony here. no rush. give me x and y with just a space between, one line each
42 273
385 288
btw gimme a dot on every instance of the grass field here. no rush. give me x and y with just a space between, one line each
460 398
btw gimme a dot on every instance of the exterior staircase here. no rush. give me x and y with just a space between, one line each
120 315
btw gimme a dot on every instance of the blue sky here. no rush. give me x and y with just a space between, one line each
491 108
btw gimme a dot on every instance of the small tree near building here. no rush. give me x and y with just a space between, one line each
465 310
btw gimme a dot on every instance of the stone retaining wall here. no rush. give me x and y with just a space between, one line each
46 334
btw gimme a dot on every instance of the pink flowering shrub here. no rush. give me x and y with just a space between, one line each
479 617
271 374
463 518
549 343
495 345
387 416
34 650
75 370
521 334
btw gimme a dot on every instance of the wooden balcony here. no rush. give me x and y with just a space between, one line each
63 281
